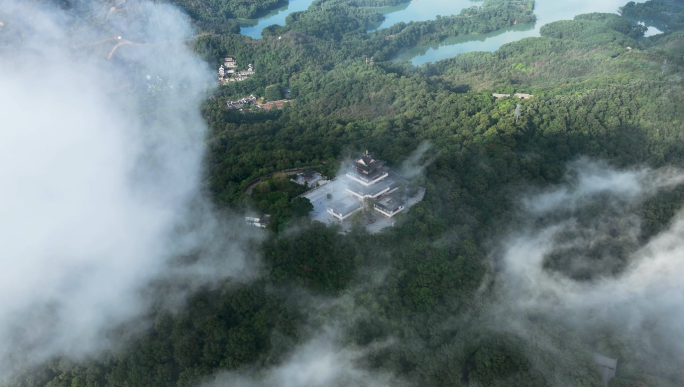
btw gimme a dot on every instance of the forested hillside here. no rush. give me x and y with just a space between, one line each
415 301
219 11
667 12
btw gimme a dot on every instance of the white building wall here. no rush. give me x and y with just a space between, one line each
389 214
361 197
365 184
340 216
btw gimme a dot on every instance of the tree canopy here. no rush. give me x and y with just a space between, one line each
424 286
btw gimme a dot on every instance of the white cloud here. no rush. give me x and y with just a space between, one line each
649 290
99 175
590 178
326 358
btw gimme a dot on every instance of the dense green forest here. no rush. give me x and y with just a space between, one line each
667 12
218 11
375 3
422 287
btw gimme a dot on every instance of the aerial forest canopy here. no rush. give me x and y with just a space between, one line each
420 303
667 12
221 10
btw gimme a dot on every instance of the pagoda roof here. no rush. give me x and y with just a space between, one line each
368 176
374 189
368 162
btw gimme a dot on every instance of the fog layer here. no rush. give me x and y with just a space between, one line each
578 254
101 145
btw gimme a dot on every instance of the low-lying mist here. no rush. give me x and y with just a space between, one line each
102 220
578 254
101 146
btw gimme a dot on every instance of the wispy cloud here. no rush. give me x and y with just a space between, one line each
100 162
326 356
415 164
576 253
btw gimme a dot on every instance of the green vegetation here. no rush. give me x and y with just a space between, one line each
615 22
277 196
592 97
273 93
670 12
372 3
586 31
329 21
339 21
597 30
217 11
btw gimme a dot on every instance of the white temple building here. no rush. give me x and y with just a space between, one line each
368 178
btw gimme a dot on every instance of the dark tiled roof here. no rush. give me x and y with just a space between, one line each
345 206
390 204
368 177
368 163
373 189
309 174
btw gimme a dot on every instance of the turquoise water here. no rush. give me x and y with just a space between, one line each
416 10
652 31
253 27
423 10
451 47
654 27
547 11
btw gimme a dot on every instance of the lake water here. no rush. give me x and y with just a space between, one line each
406 12
547 11
652 31
253 27
654 27
422 10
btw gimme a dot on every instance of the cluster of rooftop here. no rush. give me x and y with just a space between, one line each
227 72
519 95
308 177
369 178
239 104
273 104
245 105
260 222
